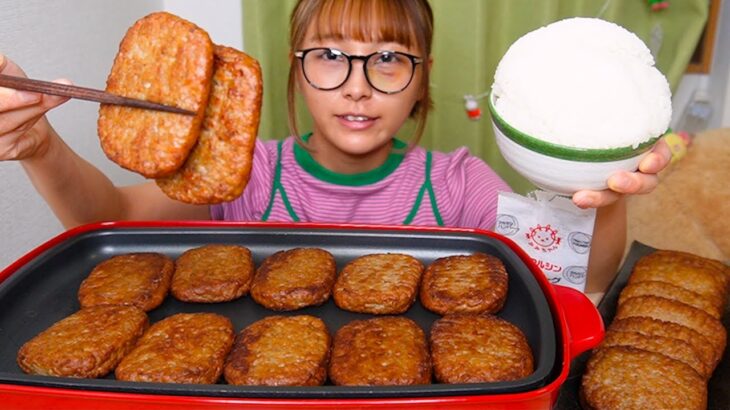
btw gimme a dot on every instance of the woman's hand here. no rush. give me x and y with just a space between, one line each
623 183
24 131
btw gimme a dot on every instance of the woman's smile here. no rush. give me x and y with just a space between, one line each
356 122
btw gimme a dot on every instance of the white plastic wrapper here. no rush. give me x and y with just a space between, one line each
552 230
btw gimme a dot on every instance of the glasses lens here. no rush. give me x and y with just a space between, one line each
389 72
325 68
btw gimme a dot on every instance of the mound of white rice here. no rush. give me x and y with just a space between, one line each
583 82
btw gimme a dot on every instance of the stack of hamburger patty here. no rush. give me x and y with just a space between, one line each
111 331
204 158
666 338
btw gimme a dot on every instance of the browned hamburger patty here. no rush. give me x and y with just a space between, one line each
280 351
700 275
295 278
140 279
378 284
673 348
669 291
88 344
165 59
629 378
381 351
471 348
465 284
219 166
676 312
182 348
658 328
212 273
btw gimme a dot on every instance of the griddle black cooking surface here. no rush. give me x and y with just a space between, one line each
44 291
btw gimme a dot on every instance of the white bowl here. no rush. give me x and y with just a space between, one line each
559 168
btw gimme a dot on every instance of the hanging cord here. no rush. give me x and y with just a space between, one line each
603 8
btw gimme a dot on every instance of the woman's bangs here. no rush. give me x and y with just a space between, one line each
364 20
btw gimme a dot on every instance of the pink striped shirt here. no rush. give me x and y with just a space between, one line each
462 191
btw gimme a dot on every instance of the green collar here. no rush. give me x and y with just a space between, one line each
312 167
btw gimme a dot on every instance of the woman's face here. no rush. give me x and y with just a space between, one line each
354 124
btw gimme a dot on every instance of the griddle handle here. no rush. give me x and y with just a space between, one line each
585 325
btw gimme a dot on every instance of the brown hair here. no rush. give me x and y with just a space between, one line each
407 22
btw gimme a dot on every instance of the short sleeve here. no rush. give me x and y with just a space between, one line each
466 189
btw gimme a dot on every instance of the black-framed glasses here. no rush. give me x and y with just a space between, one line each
389 72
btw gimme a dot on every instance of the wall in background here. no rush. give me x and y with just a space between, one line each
713 87
720 73
77 39
223 19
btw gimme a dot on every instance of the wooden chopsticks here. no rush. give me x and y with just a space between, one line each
83 93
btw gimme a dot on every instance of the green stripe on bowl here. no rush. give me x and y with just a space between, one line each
563 151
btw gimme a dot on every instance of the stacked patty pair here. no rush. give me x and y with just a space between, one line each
202 159
666 338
